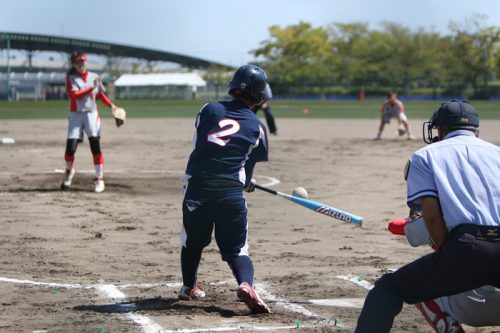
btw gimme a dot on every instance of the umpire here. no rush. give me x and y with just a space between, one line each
456 183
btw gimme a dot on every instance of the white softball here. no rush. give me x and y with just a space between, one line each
300 192
401 130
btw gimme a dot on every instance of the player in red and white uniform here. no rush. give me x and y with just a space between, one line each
394 108
83 89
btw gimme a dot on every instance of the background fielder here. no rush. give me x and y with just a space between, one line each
266 107
394 108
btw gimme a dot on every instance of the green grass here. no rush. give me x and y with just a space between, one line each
281 109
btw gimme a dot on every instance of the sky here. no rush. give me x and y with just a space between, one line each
223 31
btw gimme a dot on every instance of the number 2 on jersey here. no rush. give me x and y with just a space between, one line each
219 136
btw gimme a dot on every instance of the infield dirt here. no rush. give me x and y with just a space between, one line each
128 235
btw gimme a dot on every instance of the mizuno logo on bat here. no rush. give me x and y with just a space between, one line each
330 212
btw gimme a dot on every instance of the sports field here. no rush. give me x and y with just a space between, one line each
348 109
77 261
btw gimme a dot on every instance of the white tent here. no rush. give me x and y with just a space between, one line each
161 85
160 79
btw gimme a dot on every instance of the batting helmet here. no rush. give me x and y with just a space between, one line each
454 114
251 80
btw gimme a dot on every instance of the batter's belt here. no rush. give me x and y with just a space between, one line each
489 233
214 182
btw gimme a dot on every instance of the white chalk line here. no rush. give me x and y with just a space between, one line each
92 171
270 180
294 307
150 326
356 280
283 302
241 328
356 303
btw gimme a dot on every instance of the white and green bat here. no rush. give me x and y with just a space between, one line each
317 207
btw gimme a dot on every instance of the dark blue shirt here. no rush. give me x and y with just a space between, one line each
229 140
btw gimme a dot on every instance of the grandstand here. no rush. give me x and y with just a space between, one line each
32 66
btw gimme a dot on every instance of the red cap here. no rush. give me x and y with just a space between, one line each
79 57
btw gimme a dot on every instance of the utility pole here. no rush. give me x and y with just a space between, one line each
8 68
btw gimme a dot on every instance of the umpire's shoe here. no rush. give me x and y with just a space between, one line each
440 320
188 294
248 295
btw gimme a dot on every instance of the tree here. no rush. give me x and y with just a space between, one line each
298 56
476 48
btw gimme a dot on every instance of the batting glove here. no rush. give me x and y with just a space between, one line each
250 186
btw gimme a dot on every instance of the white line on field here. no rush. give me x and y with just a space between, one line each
150 326
356 280
339 302
150 285
240 328
110 291
270 180
46 284
283 302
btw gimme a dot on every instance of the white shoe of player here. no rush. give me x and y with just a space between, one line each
189 294
99 185
68 178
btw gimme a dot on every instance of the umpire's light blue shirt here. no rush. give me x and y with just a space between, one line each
463 172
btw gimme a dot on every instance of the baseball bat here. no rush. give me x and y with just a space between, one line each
317 207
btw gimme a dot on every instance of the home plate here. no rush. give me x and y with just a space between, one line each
340 302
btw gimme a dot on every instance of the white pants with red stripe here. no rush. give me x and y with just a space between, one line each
88 122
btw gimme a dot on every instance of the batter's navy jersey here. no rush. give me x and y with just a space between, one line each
229 138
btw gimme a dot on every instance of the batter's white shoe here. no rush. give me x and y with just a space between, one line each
99 185
248 295
189 294
68 178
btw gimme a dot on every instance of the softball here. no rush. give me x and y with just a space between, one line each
300 192
401 130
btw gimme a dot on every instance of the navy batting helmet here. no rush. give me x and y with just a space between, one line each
454 114
251 80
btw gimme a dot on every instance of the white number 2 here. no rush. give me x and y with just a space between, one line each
218 137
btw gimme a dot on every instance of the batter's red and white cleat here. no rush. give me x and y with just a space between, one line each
248 295
189 294
440 320
99 185
68 178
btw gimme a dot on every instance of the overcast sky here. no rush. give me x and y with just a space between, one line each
221 30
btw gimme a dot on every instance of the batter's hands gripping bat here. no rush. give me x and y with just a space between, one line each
317 207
